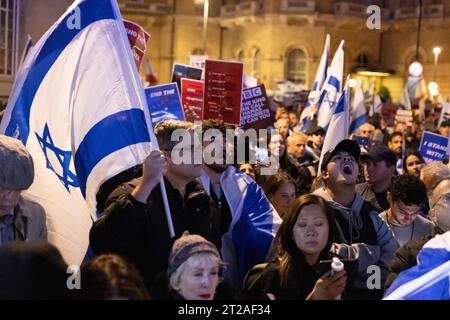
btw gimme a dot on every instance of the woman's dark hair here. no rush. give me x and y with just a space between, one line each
109 276
291 258
275 181
412 153
32 270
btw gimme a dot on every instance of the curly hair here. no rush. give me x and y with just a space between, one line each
165 129
408 189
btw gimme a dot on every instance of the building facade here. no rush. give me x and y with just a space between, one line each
276 39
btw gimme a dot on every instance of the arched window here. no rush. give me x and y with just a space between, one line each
296 66
197 52
240 56
256 64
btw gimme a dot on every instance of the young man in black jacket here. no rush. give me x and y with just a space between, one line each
134 223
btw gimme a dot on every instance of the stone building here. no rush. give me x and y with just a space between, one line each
277 39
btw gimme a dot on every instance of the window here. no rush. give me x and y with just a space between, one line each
240 55
198 52
296 66
9 21
256 64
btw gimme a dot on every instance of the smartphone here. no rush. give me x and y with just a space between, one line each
362 141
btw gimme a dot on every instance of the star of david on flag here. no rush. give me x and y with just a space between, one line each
68 178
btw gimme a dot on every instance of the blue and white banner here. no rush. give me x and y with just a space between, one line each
313 97
433 147
358 110
338 128
331 89
164 103
430 278
79 107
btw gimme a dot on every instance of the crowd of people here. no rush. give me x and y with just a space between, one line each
239 234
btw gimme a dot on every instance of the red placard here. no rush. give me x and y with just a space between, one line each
192 98
223 91
138 38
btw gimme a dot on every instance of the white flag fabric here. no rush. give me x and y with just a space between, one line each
404 99
358 109
338 128
319 80
445 113
421 89
331 88
377 105
79 108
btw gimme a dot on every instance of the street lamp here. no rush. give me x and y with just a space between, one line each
436 52
205 20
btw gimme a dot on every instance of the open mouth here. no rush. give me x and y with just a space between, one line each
205 296
347 169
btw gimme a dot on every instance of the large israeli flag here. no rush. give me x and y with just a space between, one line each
78 106
338 128
331 88
314 94
358 109
430 278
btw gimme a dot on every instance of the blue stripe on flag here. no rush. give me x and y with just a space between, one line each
356 123
335 83
341 104
252 233
315 85
113 133
49 53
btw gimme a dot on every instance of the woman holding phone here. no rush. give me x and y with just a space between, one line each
304 239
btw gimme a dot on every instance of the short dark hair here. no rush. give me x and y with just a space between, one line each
408 189
395 134
215 124
165 129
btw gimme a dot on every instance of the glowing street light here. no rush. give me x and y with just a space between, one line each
433 88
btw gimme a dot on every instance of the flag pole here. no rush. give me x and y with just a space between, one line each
143 99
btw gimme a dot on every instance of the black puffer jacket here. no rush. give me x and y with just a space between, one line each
140 231
405 258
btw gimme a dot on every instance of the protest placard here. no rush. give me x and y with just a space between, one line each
404 116
255 111
433 147
192 98
223 91
445 113
198 61
138 38
180 71
164 103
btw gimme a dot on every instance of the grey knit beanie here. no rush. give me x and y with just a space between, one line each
187 246
16 165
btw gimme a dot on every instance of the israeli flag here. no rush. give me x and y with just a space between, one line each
79 108
331 89
376 106
404 99
430 278
253 227
314 94
338 128
358 111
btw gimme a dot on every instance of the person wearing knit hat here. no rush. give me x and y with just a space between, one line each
20 219
193 270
